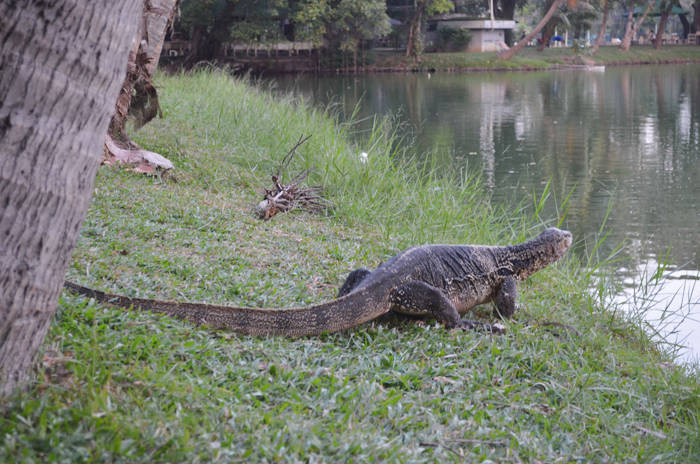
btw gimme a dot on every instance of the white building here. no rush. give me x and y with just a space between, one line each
487 35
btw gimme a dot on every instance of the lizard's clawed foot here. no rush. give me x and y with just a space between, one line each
466 324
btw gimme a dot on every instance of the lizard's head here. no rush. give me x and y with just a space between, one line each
540 252
556 241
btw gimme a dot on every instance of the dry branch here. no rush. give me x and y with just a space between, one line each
285 197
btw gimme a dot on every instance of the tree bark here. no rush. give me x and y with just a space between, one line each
632 26
686 25
599 39
138 98
61 66
547 35
414 30
507 11
158 14
508 54
627 37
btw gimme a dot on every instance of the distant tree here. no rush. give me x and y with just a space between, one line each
505 9
208 25
575 17
264 21
353 21
311 18
683 18
665 7
508 54
423 8
549 29
632 26
62 66
603 24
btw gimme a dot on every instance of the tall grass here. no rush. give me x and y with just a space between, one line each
242 133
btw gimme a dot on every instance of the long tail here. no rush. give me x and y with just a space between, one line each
342 313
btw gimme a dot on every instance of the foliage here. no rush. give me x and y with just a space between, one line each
203 14
422 10
359 21
352 22
198 12
344 23
472 8
453 39
311 17
433 7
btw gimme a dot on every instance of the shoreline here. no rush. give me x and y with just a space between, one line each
529 59
552 67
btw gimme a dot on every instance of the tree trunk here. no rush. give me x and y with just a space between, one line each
508 54
665 8
599 39
547 35
632 26
686 25
354 59
414 30
507 11
138 97
158 14
627 38
62 64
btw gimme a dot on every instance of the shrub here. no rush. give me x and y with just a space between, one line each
453 39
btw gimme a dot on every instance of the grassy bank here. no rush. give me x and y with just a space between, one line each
117 386
530 58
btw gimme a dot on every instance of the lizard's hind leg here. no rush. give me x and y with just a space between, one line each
416 297
353 280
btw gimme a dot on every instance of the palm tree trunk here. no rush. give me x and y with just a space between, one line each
138 97
63 63
508 54
599 39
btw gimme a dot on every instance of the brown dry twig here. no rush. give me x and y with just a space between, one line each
285 197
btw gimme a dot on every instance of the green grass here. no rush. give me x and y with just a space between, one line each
120 386
530 58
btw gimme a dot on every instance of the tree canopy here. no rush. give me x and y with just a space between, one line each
345 27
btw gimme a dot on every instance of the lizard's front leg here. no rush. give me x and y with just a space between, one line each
416 297
505 297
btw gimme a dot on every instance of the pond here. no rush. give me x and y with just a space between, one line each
624 142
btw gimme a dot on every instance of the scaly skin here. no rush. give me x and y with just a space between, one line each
442 281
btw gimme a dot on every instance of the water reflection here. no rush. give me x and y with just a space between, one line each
667 305
628 136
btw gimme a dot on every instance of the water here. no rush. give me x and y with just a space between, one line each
626 141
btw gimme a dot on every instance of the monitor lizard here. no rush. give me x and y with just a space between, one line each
440 281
